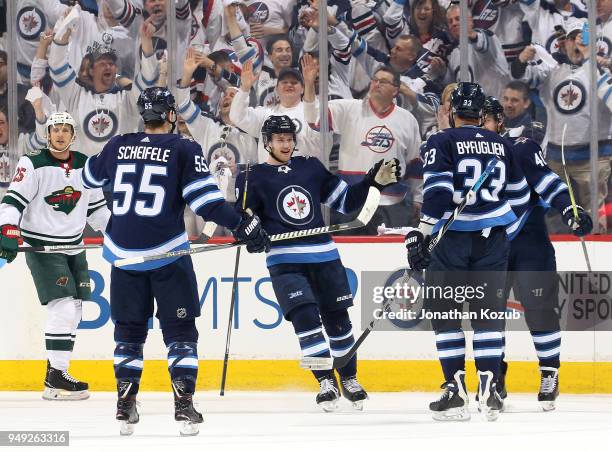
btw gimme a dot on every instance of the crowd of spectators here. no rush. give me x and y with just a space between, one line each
239 61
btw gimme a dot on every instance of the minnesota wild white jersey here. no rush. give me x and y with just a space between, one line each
50 198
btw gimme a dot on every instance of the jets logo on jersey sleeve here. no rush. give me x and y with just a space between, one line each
30 22
258 12
379 139
569 97
485 14
294 205
100 126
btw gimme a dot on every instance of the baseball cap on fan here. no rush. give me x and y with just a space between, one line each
574 25
290 72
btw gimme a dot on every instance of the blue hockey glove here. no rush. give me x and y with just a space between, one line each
418 253
581 226
383 174
250 231
9 241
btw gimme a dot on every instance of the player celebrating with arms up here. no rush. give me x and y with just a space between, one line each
308 277
153 175
47 195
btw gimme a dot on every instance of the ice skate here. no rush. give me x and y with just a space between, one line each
184 412
328 396
353 392
127 414
501 380
489 402
453 403
60 385
549 388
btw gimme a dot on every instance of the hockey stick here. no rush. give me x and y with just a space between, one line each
230 321
314 363
54 248
571 194
364 217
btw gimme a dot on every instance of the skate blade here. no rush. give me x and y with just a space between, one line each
357 405
548 405
125 429
488 413
452 415
187 428
62 394
316 363
329 406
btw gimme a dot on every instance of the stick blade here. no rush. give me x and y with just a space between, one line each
369 207
316 363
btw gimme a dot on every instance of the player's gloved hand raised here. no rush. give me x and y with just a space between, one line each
250 231
9 241
580 226
418 252
384 173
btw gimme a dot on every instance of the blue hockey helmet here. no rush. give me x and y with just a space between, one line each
492 106
468 100
155 103
277 124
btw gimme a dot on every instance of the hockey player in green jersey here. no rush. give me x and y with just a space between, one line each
46 204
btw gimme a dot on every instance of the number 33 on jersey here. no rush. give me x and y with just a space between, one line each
453 160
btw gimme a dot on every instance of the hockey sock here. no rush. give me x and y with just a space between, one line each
128 360
451 352
128 363
183 364
548 347
340 333
59 331
503 355
488 349
309 330
181 338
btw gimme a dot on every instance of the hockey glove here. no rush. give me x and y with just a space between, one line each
580 226
9 241
418 252
250 231
384 174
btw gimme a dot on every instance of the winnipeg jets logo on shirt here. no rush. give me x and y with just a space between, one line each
603 46
379 139
258 12
485 14
100 125
30 22
569 97
284 169
294 205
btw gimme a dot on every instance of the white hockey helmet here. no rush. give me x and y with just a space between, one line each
56 119
60 118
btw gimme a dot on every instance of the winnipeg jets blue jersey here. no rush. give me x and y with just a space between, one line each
288 198
545 187
152 178
453 159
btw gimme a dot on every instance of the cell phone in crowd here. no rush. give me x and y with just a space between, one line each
585 34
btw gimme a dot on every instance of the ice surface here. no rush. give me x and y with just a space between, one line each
291 421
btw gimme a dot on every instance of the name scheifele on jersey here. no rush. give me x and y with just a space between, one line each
153 177
51 198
